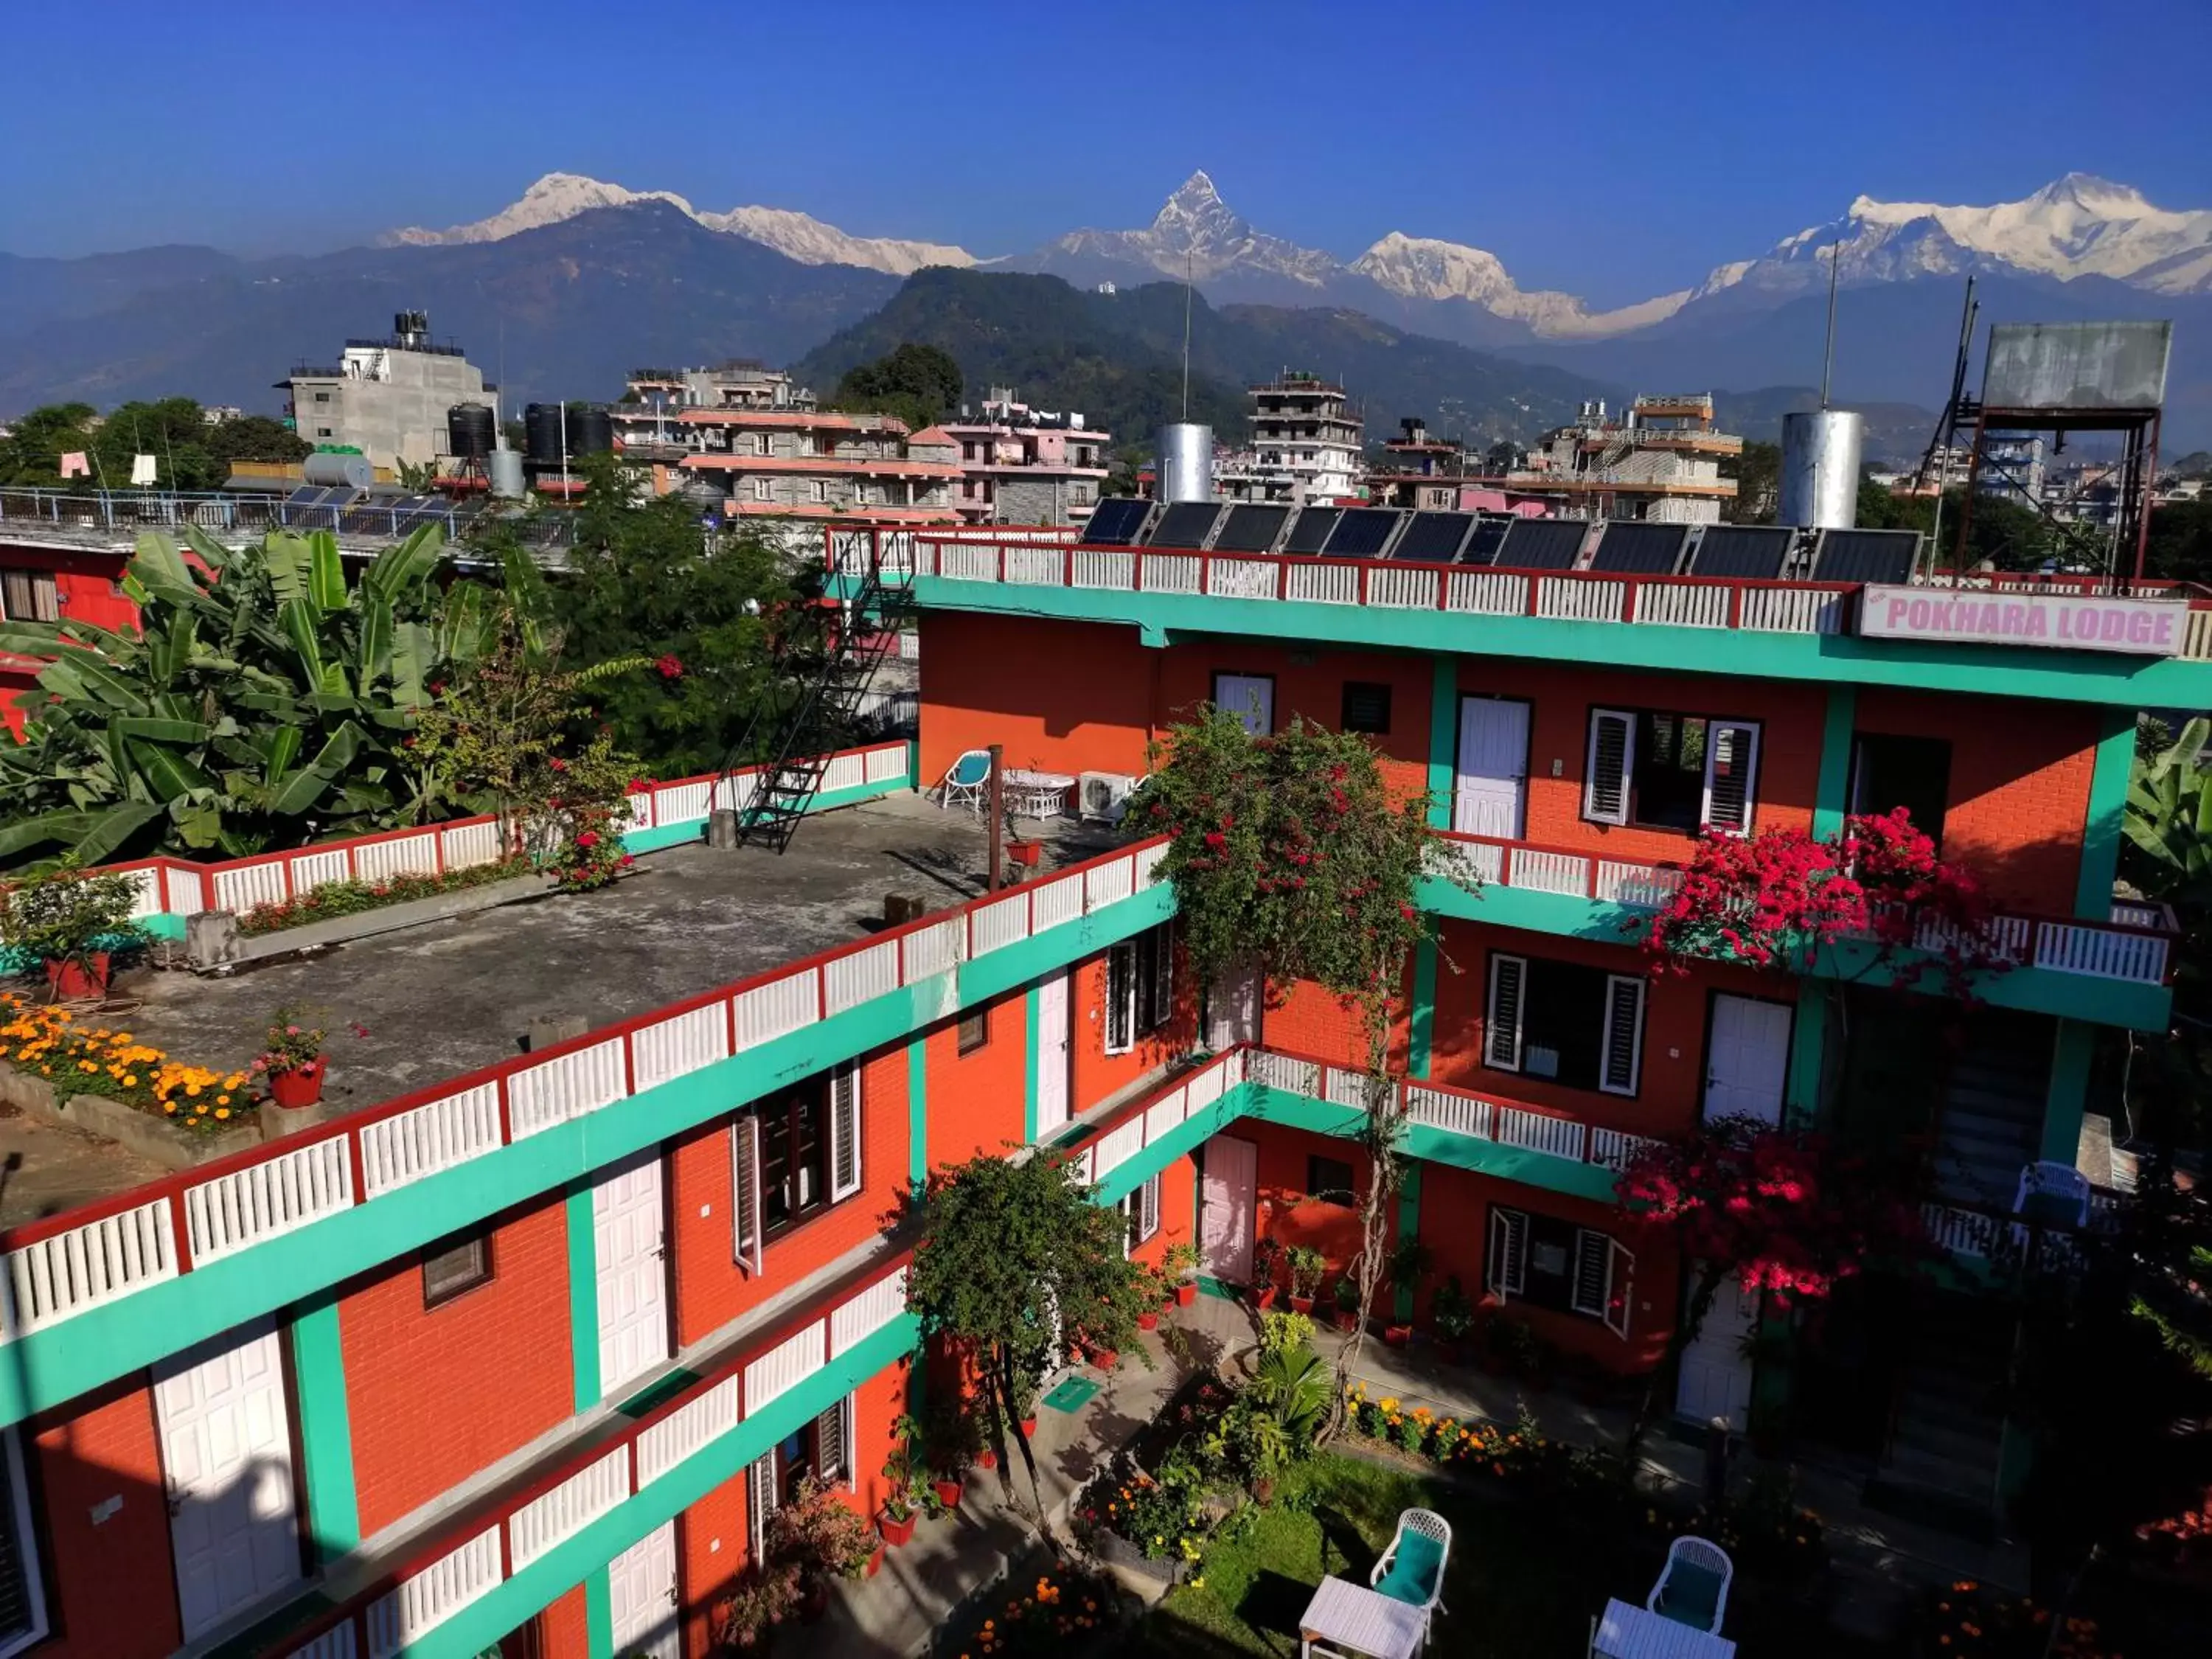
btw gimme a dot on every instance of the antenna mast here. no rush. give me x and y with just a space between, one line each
1188 258
1828 352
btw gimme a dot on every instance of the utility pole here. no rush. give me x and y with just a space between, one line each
997 864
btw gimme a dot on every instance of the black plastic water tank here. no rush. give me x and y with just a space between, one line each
591 432
469 431
541 433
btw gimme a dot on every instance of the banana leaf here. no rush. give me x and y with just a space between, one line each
326 583
304 788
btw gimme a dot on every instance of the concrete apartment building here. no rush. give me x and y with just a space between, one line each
1306 444
386 397
1020 466
791 463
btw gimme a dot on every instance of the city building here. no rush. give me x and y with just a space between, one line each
1305 444
1659 461
794 463
1020 466
389 398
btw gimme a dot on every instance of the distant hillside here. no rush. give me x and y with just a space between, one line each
1117 356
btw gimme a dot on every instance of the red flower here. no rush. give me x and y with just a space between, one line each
558 764
588 838
670 667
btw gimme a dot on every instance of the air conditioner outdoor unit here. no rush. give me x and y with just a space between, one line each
1106 795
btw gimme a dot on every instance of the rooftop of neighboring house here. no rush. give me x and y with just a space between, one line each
446 998
804 420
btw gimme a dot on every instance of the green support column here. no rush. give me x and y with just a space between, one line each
2100 832
599 1614
1409 1226
325 1430
1808 1040
917 1111
583 1297
1032 1013
1421 1022
1832 796
1443 741
2068 1094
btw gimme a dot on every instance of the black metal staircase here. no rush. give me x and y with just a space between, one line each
831 662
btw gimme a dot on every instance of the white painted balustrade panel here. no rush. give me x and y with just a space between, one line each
1570 599
1109 883
1486 592
884 765
401 855
2138 958
1054 902
402 1148
682 803
999 923
1614 1149
682 1043
319 868
187 891
1792 610
936 949
1295 1077
471 844
785 1366
1037 567
336 1642
1455 1114
1147 865
1118 1146
1205 1088
682 1434
1321 584
1241 579
1682 604
243 886
1172 572
640 810
56 1277
781 1005
967 563
735 792
566 1086
1343 1086
570 1507
1533 1132
1400 588
145 892
1164 1115
1551 872
866 1311
432 1596
858 975
264 1200
1116 571
846 772
1637 886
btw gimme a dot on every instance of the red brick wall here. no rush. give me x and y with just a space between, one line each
1303 1018
975 1100
710 1290
1178 1212
1097 1074
2019 786
564 1629
436 1394
1287 1214
113 1594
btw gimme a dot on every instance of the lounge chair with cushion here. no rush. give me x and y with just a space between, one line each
1411 1570
965 780
1693 1588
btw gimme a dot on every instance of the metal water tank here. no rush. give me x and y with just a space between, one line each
541 433
331 468
1186 462
504 467
470 430
591 432
1820 451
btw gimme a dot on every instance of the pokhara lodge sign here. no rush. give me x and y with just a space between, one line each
2067 622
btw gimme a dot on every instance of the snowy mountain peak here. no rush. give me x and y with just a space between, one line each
1423 268
562 196
1198 232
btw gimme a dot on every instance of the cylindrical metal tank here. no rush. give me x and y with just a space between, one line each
330 469
1820 468
504 467
1186 462
469 431
591 432
541 433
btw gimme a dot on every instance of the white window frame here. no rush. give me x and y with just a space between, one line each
844 1474
1249 698
764 444
1594 1250
763 490
42 589
1619 1289
1748 731
761 1501
1505 1258
818 489
1128 1018
847 1126
1140 1204
747 1247
1619 812
26 1551
1507 1057
1619 987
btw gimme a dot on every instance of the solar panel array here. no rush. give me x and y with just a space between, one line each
1865 555
1310 531
1115 521
1362 532
1434 537
1184 524
1251 528
1748 552
1542 544
1637 548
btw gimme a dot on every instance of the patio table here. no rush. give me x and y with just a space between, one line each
1037 794
1345 1619
1633 1632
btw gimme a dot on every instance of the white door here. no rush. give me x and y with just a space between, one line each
633 1289
1232 1009
1748 1061
1490 794
1715 1380
641 1597
1052 1056
1224 1219
227 1460
1250 697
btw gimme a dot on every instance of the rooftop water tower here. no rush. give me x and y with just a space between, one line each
1186 462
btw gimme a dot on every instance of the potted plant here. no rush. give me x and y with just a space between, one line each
1409 1269
292 1061
815 1536
71 922
1452 1313
1347 1305
902 1498
954 1437
1182 1265
1309 1266
1267 1257
762 1599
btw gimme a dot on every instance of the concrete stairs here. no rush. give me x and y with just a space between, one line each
1992 1118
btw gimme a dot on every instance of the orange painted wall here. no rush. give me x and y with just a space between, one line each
1178 1212
436 1395
1097 1074
1671 1089
710 1290
975 1100
1285 1212
112 1595
2019 787
564 1630
1303 1018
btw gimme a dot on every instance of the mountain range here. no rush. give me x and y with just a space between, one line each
578 279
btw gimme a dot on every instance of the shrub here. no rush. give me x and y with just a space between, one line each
70 916
352 898
50 1042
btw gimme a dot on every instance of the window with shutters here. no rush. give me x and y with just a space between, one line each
1141 1209
1329 1179
1550 1263
22 1595
794 1154
1366 707
1577 1026
1139 987
1664 770
30 595
975 1030
454 1267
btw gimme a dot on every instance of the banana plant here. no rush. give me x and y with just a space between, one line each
262 699
2168 818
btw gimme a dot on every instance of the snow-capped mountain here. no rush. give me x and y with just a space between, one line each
1196 232
1423 268
562 196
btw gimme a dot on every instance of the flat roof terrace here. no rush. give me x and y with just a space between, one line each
447 997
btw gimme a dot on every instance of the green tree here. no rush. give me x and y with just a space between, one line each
1014 1255
2179 544
919 384
1758 475
31 452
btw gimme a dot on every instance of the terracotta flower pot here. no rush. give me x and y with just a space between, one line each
1148 1321
1028 1428
301 1086
987 1459
75 979
948 1491
875 1561
1263 1297
1346 1320
1026 853
1397 1336
1105 1358
896 1532
1301 1305
1186 1293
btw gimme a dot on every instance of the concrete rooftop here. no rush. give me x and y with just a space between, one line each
446 998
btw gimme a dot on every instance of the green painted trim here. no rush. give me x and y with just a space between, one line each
1808 1039
1409 1226
1443 741
163 924
1421 1018
2081 676
325 1430
638 843
583 1297
599 1614
917 1110
1832 794
2101 828
1032 1008
2068 1098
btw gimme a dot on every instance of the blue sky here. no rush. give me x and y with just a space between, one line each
1615 151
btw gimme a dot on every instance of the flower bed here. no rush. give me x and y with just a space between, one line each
1050 1608
1162 1519
43 1041
1966 1618
352 898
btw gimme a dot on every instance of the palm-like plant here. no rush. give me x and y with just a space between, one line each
2168 818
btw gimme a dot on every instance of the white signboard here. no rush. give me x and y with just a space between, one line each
2069 621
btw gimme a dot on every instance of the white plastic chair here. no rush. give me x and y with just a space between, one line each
1695 1570
2061 1193
966 781
1421 1585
